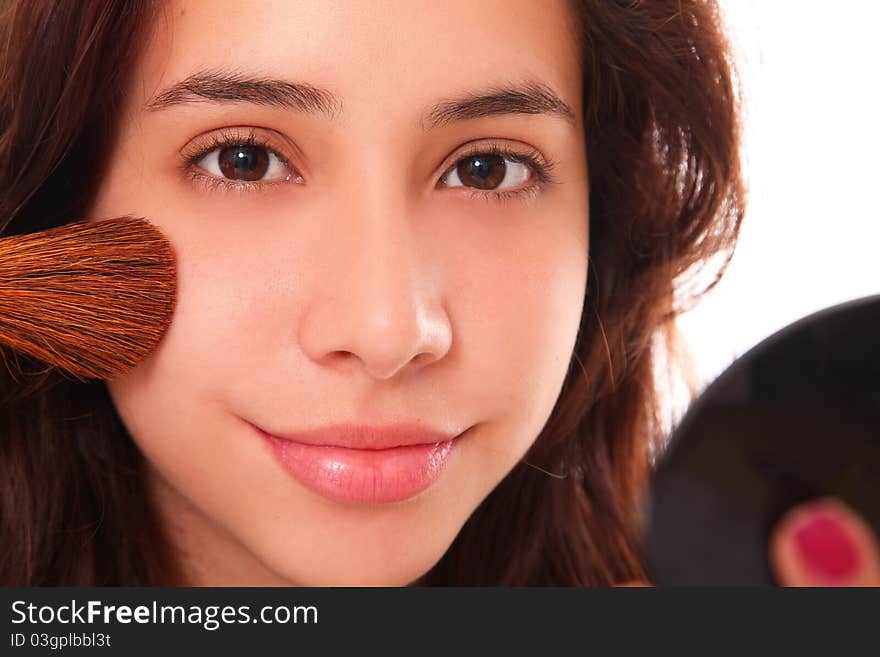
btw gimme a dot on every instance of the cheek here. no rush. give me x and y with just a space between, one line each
176 404
518 316
172 403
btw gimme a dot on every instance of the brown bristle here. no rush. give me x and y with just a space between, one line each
92 299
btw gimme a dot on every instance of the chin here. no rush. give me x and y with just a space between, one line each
357 572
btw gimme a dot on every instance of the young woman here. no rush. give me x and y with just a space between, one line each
424 253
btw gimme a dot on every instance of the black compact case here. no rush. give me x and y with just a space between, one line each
795 418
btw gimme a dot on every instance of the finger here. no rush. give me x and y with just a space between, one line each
824 543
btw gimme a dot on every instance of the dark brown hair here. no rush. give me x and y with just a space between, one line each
666 195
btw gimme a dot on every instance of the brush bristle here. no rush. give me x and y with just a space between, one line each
92 299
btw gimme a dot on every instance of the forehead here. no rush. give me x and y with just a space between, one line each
379 56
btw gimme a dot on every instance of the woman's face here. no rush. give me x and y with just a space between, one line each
341 258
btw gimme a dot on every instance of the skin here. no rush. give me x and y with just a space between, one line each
365 292
358 289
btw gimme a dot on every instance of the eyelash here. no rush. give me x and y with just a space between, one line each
541 167
227 139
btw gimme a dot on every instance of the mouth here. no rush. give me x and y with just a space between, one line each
370 472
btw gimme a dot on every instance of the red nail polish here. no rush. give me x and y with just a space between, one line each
826 547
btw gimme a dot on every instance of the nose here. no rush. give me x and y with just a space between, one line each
378 307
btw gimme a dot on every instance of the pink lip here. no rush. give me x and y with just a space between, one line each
360 464
361 436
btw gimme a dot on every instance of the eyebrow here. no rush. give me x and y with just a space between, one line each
525 97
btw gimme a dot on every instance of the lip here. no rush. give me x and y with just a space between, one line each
363 464
362 436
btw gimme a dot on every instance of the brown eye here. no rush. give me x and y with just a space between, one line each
243 162
484 171
487 171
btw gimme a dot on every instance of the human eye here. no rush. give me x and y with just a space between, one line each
485 166
235 159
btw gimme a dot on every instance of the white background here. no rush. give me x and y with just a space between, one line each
811 234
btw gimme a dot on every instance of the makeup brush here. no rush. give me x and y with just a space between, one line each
90 298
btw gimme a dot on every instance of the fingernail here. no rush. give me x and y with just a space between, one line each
826 548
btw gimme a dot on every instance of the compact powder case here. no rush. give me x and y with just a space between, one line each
795 418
